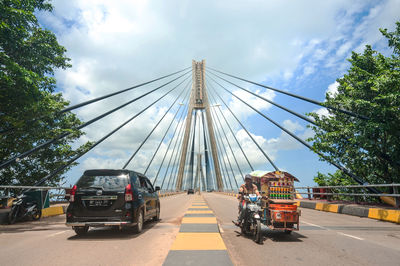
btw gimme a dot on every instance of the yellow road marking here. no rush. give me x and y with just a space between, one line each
198 241
199 212
199 207
199 220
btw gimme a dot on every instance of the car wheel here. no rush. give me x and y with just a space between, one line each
139 225
81 230
157 217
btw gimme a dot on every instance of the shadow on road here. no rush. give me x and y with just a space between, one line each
283 237
276 236
55 223
111 233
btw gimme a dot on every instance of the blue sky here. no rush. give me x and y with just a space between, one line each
297 46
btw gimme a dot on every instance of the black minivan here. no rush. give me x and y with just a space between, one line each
104 197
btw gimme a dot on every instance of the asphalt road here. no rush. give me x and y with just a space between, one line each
50 242
323 239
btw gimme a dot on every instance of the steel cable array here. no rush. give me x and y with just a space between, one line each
102 139
47 143
340 167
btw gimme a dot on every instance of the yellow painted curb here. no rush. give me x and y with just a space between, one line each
385 215
52 211
327 207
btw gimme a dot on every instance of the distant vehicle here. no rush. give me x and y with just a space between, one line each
104 197
190 191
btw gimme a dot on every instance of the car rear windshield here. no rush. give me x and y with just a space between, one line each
105 182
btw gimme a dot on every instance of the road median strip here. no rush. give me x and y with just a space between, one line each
199 241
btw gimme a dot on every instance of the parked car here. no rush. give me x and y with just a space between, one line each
104 197
190 191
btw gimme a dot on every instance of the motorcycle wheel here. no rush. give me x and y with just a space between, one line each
258 234
13 214
36 214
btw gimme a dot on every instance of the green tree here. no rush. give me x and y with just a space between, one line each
369 148
28 105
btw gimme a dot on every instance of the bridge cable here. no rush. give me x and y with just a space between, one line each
175 166
47 143
175 140
155 127
248 133
226 152
174 151
169 144
100 98
233 134
175 169
296 96
165 134
230 147
340 167
383 155
176 128
99 141
224 162
269 101
217 140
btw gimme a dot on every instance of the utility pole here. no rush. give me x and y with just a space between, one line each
199 101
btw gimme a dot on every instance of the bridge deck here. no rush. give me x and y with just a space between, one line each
324 239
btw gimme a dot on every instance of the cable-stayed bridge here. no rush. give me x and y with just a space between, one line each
203 152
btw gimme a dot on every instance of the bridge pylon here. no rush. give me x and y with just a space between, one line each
199 102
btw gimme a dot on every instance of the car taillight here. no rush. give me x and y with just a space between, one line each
128 193
72 194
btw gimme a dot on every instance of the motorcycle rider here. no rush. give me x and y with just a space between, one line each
245 189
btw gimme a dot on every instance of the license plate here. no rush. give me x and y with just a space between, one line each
98 203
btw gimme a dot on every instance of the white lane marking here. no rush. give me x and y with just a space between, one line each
58 233
340 233
314 225
220 228
359 238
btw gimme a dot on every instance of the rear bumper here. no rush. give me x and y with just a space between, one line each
100 224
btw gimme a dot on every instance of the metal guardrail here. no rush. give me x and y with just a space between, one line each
356 196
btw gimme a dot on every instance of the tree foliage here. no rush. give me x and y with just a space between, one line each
29 107
369 148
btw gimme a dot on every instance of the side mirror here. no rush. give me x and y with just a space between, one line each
157 188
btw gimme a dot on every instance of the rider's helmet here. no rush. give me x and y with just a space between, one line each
248 177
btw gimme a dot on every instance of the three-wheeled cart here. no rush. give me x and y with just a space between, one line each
280 211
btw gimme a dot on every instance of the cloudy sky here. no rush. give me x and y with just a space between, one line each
296 46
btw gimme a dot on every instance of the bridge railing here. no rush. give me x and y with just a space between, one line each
61 195
328 192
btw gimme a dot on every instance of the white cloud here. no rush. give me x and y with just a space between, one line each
116 44
333 88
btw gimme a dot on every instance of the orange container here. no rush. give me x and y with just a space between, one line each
283 207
